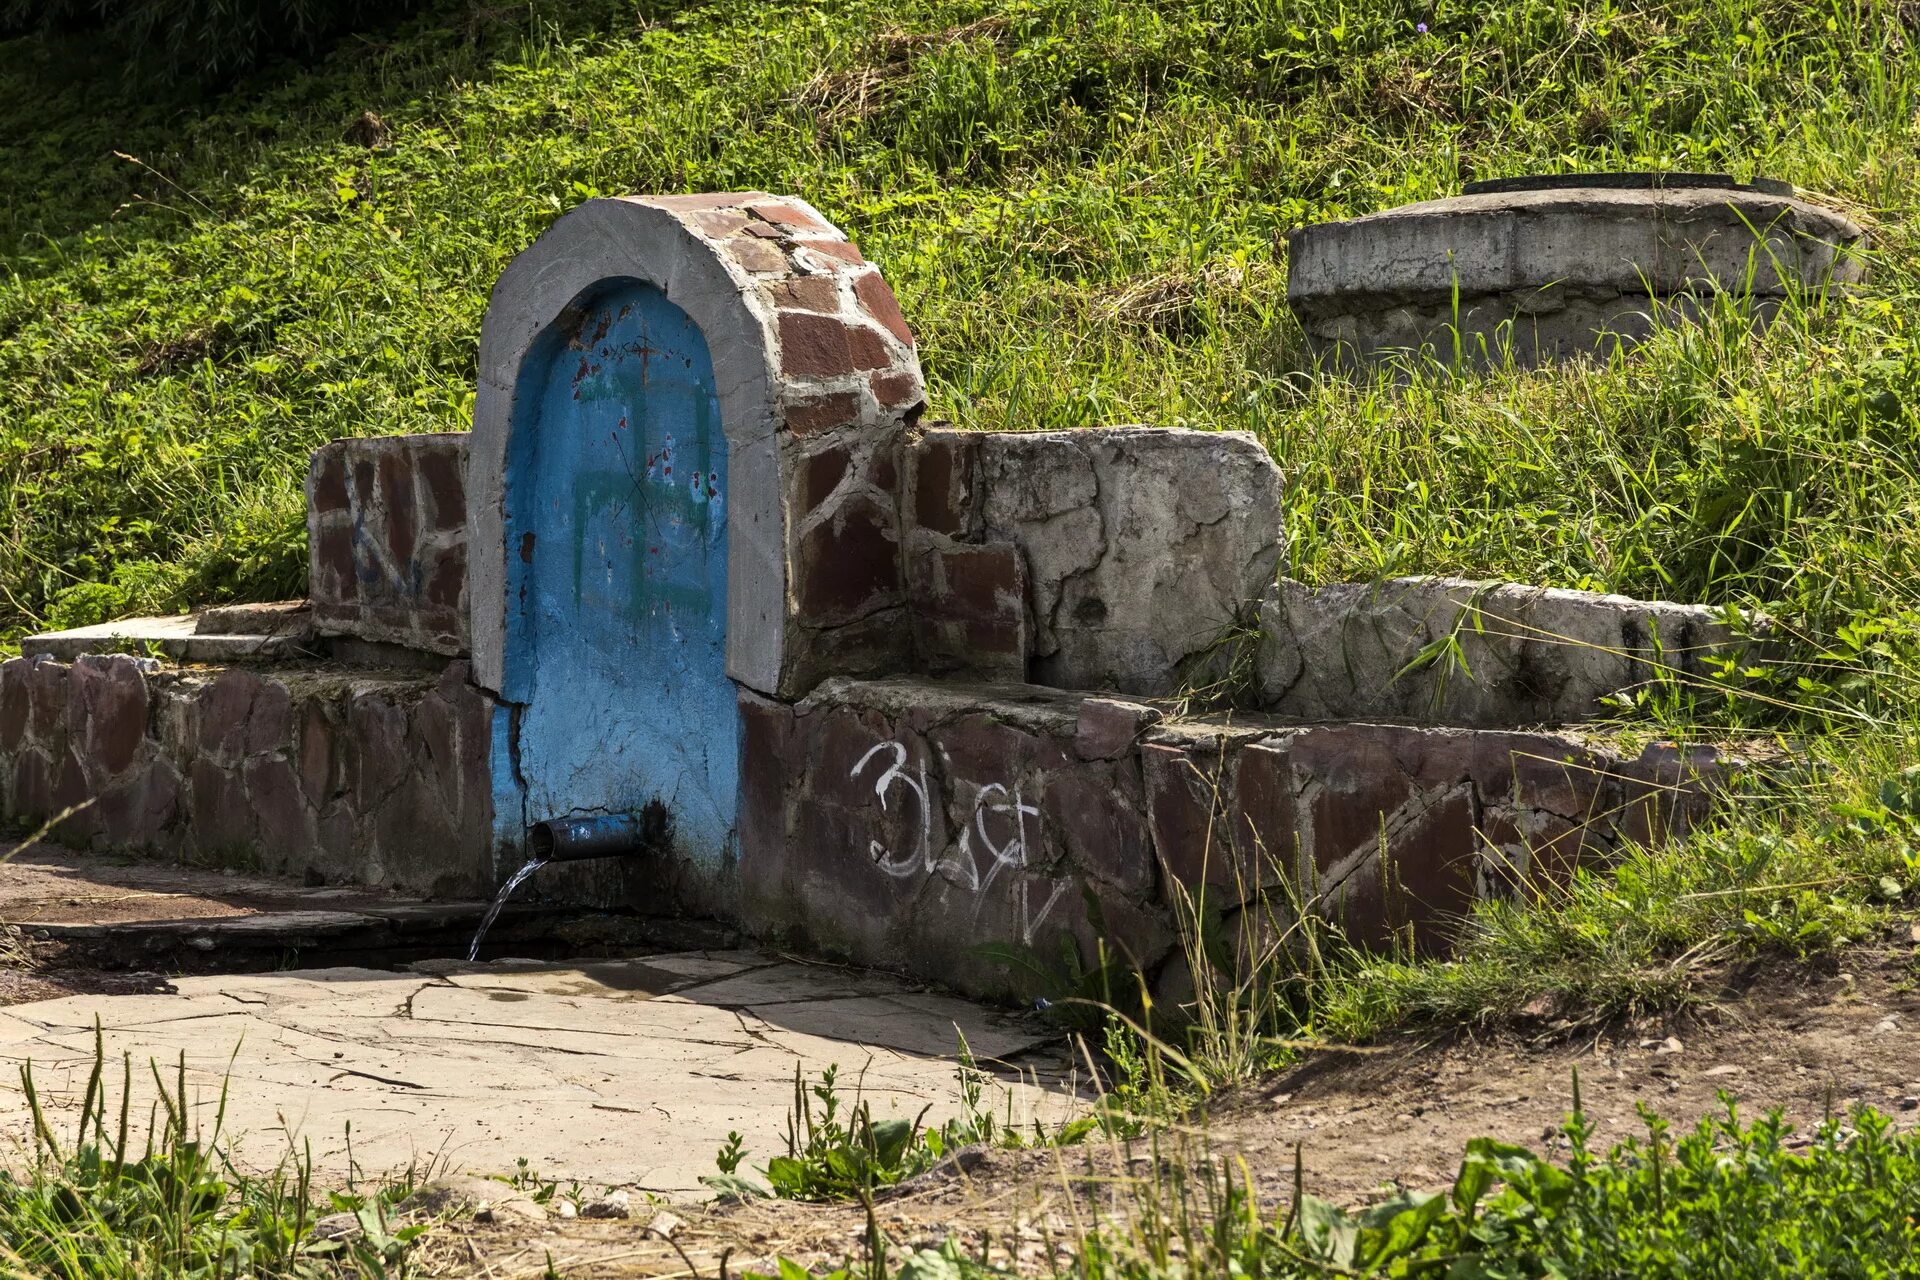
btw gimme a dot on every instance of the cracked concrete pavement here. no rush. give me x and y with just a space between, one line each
620 1073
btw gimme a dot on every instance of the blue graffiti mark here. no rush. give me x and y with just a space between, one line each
616 629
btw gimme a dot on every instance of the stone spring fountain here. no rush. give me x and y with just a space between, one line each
701 588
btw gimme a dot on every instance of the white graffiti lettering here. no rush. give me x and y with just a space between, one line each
1009 812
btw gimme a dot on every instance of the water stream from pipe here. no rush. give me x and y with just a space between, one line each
518 878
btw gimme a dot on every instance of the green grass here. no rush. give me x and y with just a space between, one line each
1728 1198
126 1196
1079 204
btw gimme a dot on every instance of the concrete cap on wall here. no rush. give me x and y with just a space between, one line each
1568 262
808 345
1600 239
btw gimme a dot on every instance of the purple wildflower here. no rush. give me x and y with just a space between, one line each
1421 28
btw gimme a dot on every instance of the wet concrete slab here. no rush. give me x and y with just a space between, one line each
617 1072
102 912
44 885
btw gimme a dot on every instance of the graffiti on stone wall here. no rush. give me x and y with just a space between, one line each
993 843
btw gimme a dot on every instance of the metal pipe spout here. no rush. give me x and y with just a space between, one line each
600 835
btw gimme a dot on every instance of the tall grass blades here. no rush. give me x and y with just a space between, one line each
155 1197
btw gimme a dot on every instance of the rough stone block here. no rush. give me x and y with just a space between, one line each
1452 651
1108 727
1142 545
109 713
386 529
968 604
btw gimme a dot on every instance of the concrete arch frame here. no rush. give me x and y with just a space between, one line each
817 377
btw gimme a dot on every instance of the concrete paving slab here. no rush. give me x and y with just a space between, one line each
582 1070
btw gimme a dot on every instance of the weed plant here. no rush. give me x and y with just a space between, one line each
127 1197
1728 1198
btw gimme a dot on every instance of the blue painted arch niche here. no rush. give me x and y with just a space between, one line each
614 505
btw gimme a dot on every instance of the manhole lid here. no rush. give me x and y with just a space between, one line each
1640 181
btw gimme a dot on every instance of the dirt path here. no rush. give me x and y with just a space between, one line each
1809 1041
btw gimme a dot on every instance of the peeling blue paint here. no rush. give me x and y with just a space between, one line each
615 506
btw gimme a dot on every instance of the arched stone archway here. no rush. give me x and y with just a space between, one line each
613 606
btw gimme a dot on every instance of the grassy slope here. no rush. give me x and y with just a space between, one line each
1079 202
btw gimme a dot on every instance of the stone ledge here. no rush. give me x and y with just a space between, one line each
1525 655
938 827
181 638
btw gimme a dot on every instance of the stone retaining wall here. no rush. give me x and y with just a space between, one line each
338 776
910 825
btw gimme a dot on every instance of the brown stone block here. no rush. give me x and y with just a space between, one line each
49 681
71 790
437 747
767 733
849 564
756 255
883 466
280 811
787 216
842 758
1540 772
447 578
225 709
818 346
878 299
1118 926
413 835
381 756
969 607
444 474
1356 784
981 750
808 293
1186 815
396 497
1424 886
1107 728
896 389
329 480
136 813
820 474
30 793
1102 825
823 413
109 712
319 776
16 702
337 574
1265 834
1668 791
942 468
270 722
223 823
364 472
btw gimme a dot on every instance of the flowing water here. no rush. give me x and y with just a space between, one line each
500 900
